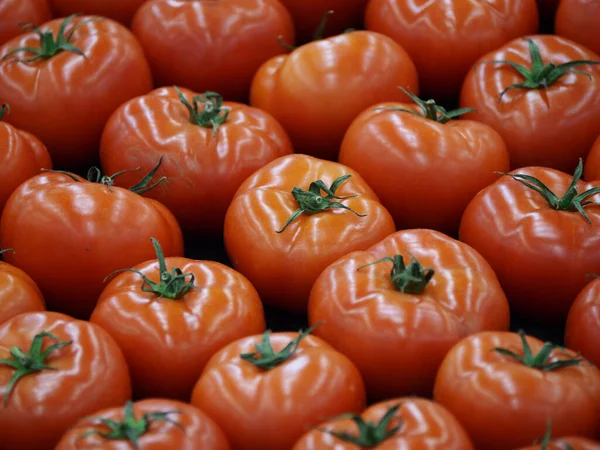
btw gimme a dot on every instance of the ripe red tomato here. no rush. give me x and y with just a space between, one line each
552 119
51 91
583 322
15 13
319 89
119 10
404 423
211 45
157 424
79 371
443 162
504 388
264 391
18 292
578 20
444 39
567 443
207 155
540 246
283 257
592 163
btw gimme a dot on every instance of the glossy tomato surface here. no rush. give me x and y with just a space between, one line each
567 443
16 13
119 10
592 163
18 293
578 20
583 322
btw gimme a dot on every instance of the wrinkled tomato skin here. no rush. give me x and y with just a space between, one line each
571 443
283 266
18 293
444 39
582 331
272 409
211 45
91 370
51 98
578 20
425 425
69 236
551 127
504 405
120 10
541 255
196 431
318 90
443 166
591 171
16 13
203 172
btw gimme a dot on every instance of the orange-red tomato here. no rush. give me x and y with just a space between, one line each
51 96
549 126
445 38
320 88
592 163
70 368
582 331
18 293
405 423
119 10
16 13
267 398
207 156
567 443
505 403
282 257
578 20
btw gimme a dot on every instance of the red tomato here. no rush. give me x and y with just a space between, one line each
319 89
540 246
16 13
264 391
283 257
504 388
404 423
578 20
445 38
548 121
18 292
583 323
207 155
51 91
69 234
592 163
443 162
567 443
119 10
156 424
79 371
211 45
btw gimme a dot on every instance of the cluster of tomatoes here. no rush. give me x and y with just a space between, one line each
407 235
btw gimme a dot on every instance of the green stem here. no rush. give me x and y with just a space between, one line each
4 110
317 36
546 439
213 113
410 279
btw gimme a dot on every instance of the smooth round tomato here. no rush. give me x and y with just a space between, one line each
156 424
207 155
583 322
51 91
554 121
119 10
407 423
592 163
318 90
283 257
504 387
211 45
578 20
444 39
264 391
16 13
18 293
70 368
443 163
567 443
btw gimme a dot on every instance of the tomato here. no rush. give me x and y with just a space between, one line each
443 162
181 312
282 236
264 391
15 13
320 88
404 423
444 39
538 244
79 371
69 234
207 155
211 45
149 424
564 443
583 322
119 10
578 20
592 163
98 63
546 117
503 388
22 156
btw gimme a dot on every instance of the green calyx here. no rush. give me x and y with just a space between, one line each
213 113
317 36
409 279
32 362
4 110
7 250
312 202
130 429
545 441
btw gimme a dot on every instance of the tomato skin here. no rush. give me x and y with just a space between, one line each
15 13
444 39
505 405
583 322
202 172
319 89
578 20
551 127
575 443
591 170
272 409
61 89
283 266
18 293
434 160
425 426
69 236
120 10
91 370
